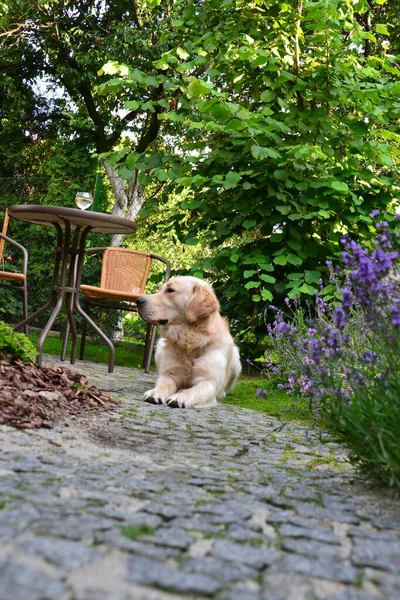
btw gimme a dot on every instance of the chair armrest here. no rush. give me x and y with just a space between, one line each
99 249
20 247
167 264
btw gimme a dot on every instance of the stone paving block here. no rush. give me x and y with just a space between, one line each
172 537
356 595
219 569
116 539
323 569
64 553
241 553
375 553
314 533
72 528
311 548
148 572
240 593
22 582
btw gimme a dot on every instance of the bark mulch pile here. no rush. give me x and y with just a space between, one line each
32 397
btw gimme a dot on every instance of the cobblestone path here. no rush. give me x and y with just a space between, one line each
152 503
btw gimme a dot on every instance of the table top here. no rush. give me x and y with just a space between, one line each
50 215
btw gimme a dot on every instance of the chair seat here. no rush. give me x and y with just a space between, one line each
10 276
92 291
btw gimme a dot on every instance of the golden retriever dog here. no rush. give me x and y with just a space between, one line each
196 357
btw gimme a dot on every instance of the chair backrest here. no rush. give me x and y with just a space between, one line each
125 270
4 232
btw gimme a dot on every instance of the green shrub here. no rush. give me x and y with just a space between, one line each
15 345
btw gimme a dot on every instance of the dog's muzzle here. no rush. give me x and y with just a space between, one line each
141 306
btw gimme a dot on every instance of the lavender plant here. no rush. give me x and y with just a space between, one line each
347 358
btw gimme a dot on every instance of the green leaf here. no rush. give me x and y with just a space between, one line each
281 260
276 237
132 104
281 174
267 278
312 276
161 64
138 76
192 241
250 285
148 106
132 159
307 289
284 210
295 276
381 28
181 52
249 273
199 88
152 81
339 186
262 152
126 173
295 245
249 223
191 204
385 160
267 96
294 259
266 295
231 180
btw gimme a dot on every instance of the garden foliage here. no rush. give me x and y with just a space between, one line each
15 345
285 123
347 358
278 122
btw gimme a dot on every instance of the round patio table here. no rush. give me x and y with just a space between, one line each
73 226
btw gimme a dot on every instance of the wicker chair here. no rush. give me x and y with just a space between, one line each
17 281
124 277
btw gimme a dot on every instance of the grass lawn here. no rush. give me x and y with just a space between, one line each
275 403
127 354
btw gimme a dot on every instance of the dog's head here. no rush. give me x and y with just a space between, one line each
180 300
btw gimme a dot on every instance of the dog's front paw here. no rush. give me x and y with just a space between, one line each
155 397
177 401
190 400
180 401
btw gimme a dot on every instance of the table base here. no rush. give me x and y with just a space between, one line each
68 266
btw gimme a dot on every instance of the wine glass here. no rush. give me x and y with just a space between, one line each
83 200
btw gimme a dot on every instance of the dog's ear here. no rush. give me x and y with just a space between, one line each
202 303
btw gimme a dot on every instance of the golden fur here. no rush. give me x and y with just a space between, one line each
196 357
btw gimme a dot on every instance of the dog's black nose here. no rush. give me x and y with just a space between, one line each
140 302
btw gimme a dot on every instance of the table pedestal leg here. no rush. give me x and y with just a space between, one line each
46 330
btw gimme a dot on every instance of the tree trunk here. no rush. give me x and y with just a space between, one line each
128 200
128 197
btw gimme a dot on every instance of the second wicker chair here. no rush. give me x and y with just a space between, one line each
124 276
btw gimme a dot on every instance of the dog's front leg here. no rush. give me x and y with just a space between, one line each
200 395
165 387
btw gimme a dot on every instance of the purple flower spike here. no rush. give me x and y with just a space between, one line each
395 315
339 318
261 393
347 299
375 213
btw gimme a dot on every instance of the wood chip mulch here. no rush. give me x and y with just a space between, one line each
32 397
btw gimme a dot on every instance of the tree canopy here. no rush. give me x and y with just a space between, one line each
278 122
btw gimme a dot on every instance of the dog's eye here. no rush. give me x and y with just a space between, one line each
169 291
